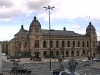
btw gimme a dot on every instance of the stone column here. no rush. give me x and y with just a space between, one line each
69 53
66 44
0 59
74 52
80 52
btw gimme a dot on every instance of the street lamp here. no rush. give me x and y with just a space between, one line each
49 8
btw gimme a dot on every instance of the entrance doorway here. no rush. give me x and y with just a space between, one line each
37 54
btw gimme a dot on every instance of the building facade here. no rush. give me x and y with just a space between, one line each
5 46
41 42
0 58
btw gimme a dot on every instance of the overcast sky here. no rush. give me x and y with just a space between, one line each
75 15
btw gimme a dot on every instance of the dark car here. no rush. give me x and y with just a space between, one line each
57 71
36 58
20 69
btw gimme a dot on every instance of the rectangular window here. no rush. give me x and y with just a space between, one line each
36 43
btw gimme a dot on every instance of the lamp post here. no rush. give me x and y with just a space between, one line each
49 8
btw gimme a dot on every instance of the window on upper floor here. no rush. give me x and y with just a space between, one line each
78 43
57 44
44 44
62 43
68 43
25 44
51 43
73 43
82 43
36 43
87 43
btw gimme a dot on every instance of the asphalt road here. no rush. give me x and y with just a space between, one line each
43 68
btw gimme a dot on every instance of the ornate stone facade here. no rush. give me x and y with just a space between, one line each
42 42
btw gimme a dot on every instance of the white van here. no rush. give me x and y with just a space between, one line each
3 54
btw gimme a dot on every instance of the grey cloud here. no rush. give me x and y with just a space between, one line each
6 3
11 10
37 5
10 14
5 16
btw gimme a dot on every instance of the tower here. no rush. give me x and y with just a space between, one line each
34 36
91 33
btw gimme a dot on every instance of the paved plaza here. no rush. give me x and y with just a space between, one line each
42 67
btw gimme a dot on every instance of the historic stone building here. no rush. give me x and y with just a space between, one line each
42 42
4 45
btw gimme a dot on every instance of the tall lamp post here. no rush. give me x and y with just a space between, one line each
49 8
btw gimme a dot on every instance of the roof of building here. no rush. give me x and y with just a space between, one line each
63 32
22 31
90 27
52 32
60 32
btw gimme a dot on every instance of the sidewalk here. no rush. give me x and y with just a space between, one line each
43 60
27 60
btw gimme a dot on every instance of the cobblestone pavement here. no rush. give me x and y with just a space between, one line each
42 68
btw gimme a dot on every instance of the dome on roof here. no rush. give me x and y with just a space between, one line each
90 27
22 31
35 22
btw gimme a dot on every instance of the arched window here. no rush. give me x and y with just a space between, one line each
77 53
51 53
82 43
62 43
78 43
67 53
72 53
44 44
68 43
25 44
87 43
57 53
51 43
73 43
44 53
57 44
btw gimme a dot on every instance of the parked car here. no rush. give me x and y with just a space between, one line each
96 59
67 72
3 54
57 71
86 60
36 58
20 69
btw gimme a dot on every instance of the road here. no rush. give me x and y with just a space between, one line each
43 68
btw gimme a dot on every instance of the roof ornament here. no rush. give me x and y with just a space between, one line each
21 26
64 29
89 23
34 17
